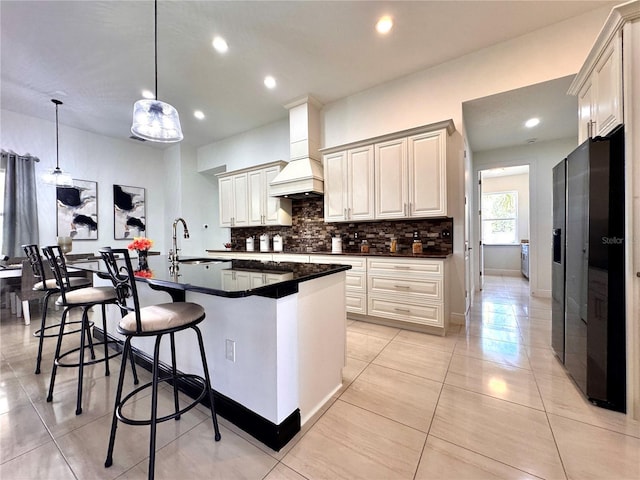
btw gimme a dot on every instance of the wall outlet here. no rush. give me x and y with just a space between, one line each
230 350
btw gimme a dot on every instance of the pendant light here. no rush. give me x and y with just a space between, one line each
154 120
57 176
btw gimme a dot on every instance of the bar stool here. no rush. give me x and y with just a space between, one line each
153 321
49 287
84 298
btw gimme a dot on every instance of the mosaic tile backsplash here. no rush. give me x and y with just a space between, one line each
310 233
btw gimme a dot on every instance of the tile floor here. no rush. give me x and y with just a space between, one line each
488 401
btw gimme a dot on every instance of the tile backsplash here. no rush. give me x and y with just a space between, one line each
310 233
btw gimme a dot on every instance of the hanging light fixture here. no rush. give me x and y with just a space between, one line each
57 176
154 120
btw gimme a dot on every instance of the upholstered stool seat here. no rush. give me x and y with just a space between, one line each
157 321
84 298
49 286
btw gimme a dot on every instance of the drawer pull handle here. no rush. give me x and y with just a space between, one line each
406 287
401 267
403 310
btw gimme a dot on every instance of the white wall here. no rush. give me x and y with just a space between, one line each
89 157
541 158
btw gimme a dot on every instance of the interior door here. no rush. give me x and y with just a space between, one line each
467 261
480 245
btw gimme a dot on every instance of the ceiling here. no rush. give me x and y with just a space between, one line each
97 56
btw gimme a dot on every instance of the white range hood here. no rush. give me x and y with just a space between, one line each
303 176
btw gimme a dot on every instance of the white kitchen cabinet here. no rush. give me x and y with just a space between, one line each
234 197
407 290
349 184
245 200
356 279
411 176
600 97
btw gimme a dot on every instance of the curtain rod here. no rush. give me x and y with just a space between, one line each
26 156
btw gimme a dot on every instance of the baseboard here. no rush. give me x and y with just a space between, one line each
457 319
272 435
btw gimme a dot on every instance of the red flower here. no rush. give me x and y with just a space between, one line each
140 243
143 273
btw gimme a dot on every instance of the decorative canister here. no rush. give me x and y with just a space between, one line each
336 244
249 244
264 242
277 243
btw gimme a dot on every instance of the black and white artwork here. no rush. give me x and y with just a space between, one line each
77 210
129 216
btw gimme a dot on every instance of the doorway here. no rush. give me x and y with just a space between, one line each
503 222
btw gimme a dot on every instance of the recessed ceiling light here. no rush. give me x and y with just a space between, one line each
220 44
269 82
532 122
198 114
384 24
148 94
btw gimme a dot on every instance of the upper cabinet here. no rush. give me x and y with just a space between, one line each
396 176
600 96
245 200
348 177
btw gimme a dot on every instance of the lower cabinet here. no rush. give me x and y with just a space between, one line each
407 290
356 279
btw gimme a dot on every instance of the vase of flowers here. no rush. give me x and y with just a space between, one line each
142 246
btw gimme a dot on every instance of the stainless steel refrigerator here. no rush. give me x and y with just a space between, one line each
588 307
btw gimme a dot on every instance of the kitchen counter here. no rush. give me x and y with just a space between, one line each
405 254
274 334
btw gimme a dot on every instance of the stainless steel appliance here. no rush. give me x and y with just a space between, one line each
590 336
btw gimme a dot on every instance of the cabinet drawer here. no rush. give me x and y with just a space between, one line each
356 303
427 288
357 263
356 282
397 266
427 314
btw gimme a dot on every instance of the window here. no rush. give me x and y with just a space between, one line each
499 218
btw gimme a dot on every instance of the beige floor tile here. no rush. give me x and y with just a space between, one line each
43 462
562 397
446 343
351 443
509 433
282 472
12 394
494 333
593 453
497 351
350 372
414 359
536 336
494 379
21 430
364 347
445 461
373 329
494 320
402 397
543 360
197 455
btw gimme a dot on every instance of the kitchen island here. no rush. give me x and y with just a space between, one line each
275 335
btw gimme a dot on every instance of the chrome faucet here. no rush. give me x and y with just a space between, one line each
173 254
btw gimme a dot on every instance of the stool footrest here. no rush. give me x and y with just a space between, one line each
86 362
57 325
131 421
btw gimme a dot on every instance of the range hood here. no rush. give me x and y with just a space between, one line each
303 176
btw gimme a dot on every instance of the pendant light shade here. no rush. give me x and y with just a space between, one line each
154 120
57 177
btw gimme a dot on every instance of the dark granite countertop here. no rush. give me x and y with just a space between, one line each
224 277
404 254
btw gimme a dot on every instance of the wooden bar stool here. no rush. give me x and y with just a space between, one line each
84 298
153 321
49 287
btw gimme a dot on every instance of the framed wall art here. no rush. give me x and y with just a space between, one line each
129 212
77 210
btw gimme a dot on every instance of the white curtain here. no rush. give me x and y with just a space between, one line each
20 214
